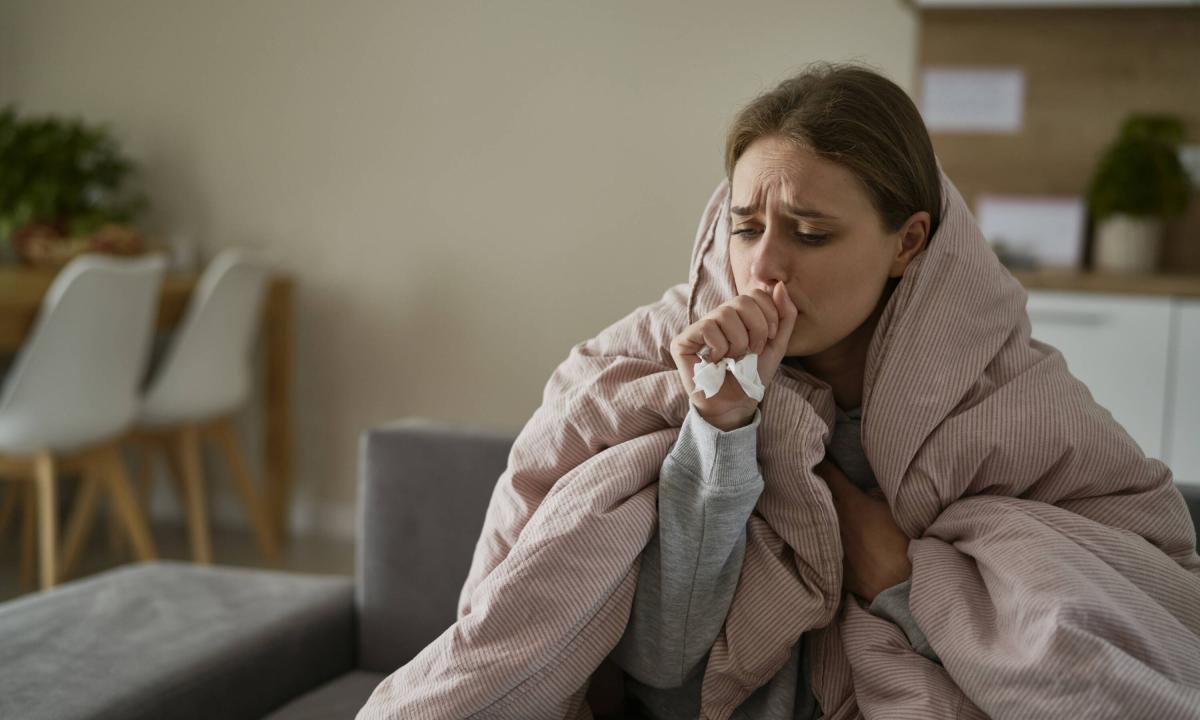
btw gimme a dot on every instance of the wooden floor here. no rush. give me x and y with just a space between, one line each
230 547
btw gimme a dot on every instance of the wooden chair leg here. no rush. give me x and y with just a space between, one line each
116 531
9 508
126 505
79 524
226 437
145 480
28 536
44 480
142 491
188 449
167 447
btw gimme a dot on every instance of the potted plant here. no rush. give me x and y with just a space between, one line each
1138 184
63 190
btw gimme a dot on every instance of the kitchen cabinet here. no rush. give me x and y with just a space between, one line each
982 4
1120 347
1183 399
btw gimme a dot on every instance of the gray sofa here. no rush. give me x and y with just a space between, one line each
179 641
175 640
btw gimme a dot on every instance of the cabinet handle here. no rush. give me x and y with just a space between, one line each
1068 317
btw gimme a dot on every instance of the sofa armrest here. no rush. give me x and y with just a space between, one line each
173 640
423 492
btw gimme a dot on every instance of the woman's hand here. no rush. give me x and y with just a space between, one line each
875 548
755 322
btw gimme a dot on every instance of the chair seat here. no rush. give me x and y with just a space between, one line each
158 416
173 640
21 435
340 699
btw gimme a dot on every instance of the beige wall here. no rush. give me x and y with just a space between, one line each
462 190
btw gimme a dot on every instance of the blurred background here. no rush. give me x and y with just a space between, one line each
453 194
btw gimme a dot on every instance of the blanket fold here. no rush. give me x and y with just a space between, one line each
1054 566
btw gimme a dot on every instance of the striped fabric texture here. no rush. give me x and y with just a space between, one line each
1054 565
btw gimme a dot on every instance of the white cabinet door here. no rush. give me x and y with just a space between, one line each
968 4
1183 395
1118 345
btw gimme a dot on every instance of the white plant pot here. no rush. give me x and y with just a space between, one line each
1128 244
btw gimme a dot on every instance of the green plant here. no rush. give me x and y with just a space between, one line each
62 173
1140 173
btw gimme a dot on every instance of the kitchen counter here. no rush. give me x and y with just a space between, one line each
1130 284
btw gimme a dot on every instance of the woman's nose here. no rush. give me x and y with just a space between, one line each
769 263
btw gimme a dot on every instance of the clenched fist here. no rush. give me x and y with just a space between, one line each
758 322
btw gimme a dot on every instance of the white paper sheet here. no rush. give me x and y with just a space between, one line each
1049 229
963 99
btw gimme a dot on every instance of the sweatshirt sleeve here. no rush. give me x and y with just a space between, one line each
708 485
892 604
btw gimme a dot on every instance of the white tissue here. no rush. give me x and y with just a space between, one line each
709 377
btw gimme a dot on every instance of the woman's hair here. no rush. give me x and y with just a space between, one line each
858 119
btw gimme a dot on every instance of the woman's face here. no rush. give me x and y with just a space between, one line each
807 222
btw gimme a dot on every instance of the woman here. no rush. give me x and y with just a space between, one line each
827 212
1019 558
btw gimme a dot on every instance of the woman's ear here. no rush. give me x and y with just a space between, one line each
909 240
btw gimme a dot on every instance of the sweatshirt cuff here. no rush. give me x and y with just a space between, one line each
719 459
893 604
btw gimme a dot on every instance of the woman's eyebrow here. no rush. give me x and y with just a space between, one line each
807 212
792 210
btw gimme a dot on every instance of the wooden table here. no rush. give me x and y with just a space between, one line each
21 291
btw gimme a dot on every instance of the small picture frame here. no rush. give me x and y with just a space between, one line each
1034 231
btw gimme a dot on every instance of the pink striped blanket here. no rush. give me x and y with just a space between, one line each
1054 565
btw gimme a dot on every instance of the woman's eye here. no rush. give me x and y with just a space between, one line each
806 238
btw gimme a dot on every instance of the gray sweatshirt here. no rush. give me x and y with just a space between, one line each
709 484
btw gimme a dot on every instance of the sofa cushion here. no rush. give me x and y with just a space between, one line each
337 700
173 640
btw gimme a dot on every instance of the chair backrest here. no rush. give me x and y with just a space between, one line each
75 380
423 492
207 369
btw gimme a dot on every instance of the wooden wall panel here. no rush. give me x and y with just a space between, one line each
1086 69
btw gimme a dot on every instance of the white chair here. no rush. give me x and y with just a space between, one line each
73 392
204 379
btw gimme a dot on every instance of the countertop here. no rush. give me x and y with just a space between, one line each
1130 284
